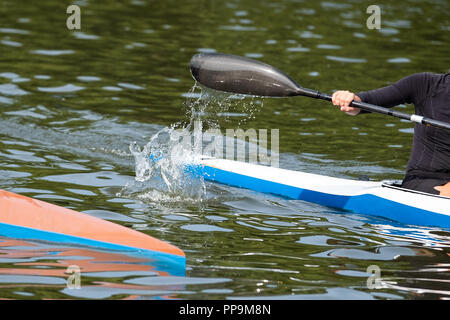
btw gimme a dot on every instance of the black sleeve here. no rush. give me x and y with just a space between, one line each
410 89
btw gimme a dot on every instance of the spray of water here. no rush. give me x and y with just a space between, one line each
160 164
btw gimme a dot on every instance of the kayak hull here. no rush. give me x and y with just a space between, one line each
364 197
26 218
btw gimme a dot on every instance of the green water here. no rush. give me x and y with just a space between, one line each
71 103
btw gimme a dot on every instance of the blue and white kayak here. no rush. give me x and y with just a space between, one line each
364 197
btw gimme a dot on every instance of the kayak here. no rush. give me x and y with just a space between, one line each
27 218
383 199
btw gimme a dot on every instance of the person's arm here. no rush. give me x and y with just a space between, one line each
407 90
444 190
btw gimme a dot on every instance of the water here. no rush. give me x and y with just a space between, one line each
72 103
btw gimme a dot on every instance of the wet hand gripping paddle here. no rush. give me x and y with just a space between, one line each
241 75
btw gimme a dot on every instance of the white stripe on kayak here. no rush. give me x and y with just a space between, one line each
331 185
416 118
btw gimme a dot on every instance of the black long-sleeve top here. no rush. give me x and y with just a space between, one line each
430 94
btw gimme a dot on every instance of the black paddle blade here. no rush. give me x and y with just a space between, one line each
236 74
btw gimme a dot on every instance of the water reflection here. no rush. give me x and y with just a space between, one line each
32 266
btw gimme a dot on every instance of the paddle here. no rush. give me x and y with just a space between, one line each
236 74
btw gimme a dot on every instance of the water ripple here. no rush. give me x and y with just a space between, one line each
61 89
346 60
14 31
9 89
52 52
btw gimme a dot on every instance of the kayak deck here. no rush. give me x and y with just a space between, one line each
364 197
26 218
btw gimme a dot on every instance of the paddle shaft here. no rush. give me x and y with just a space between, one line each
386 111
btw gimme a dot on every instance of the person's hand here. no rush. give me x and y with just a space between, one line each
343 99
444 190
